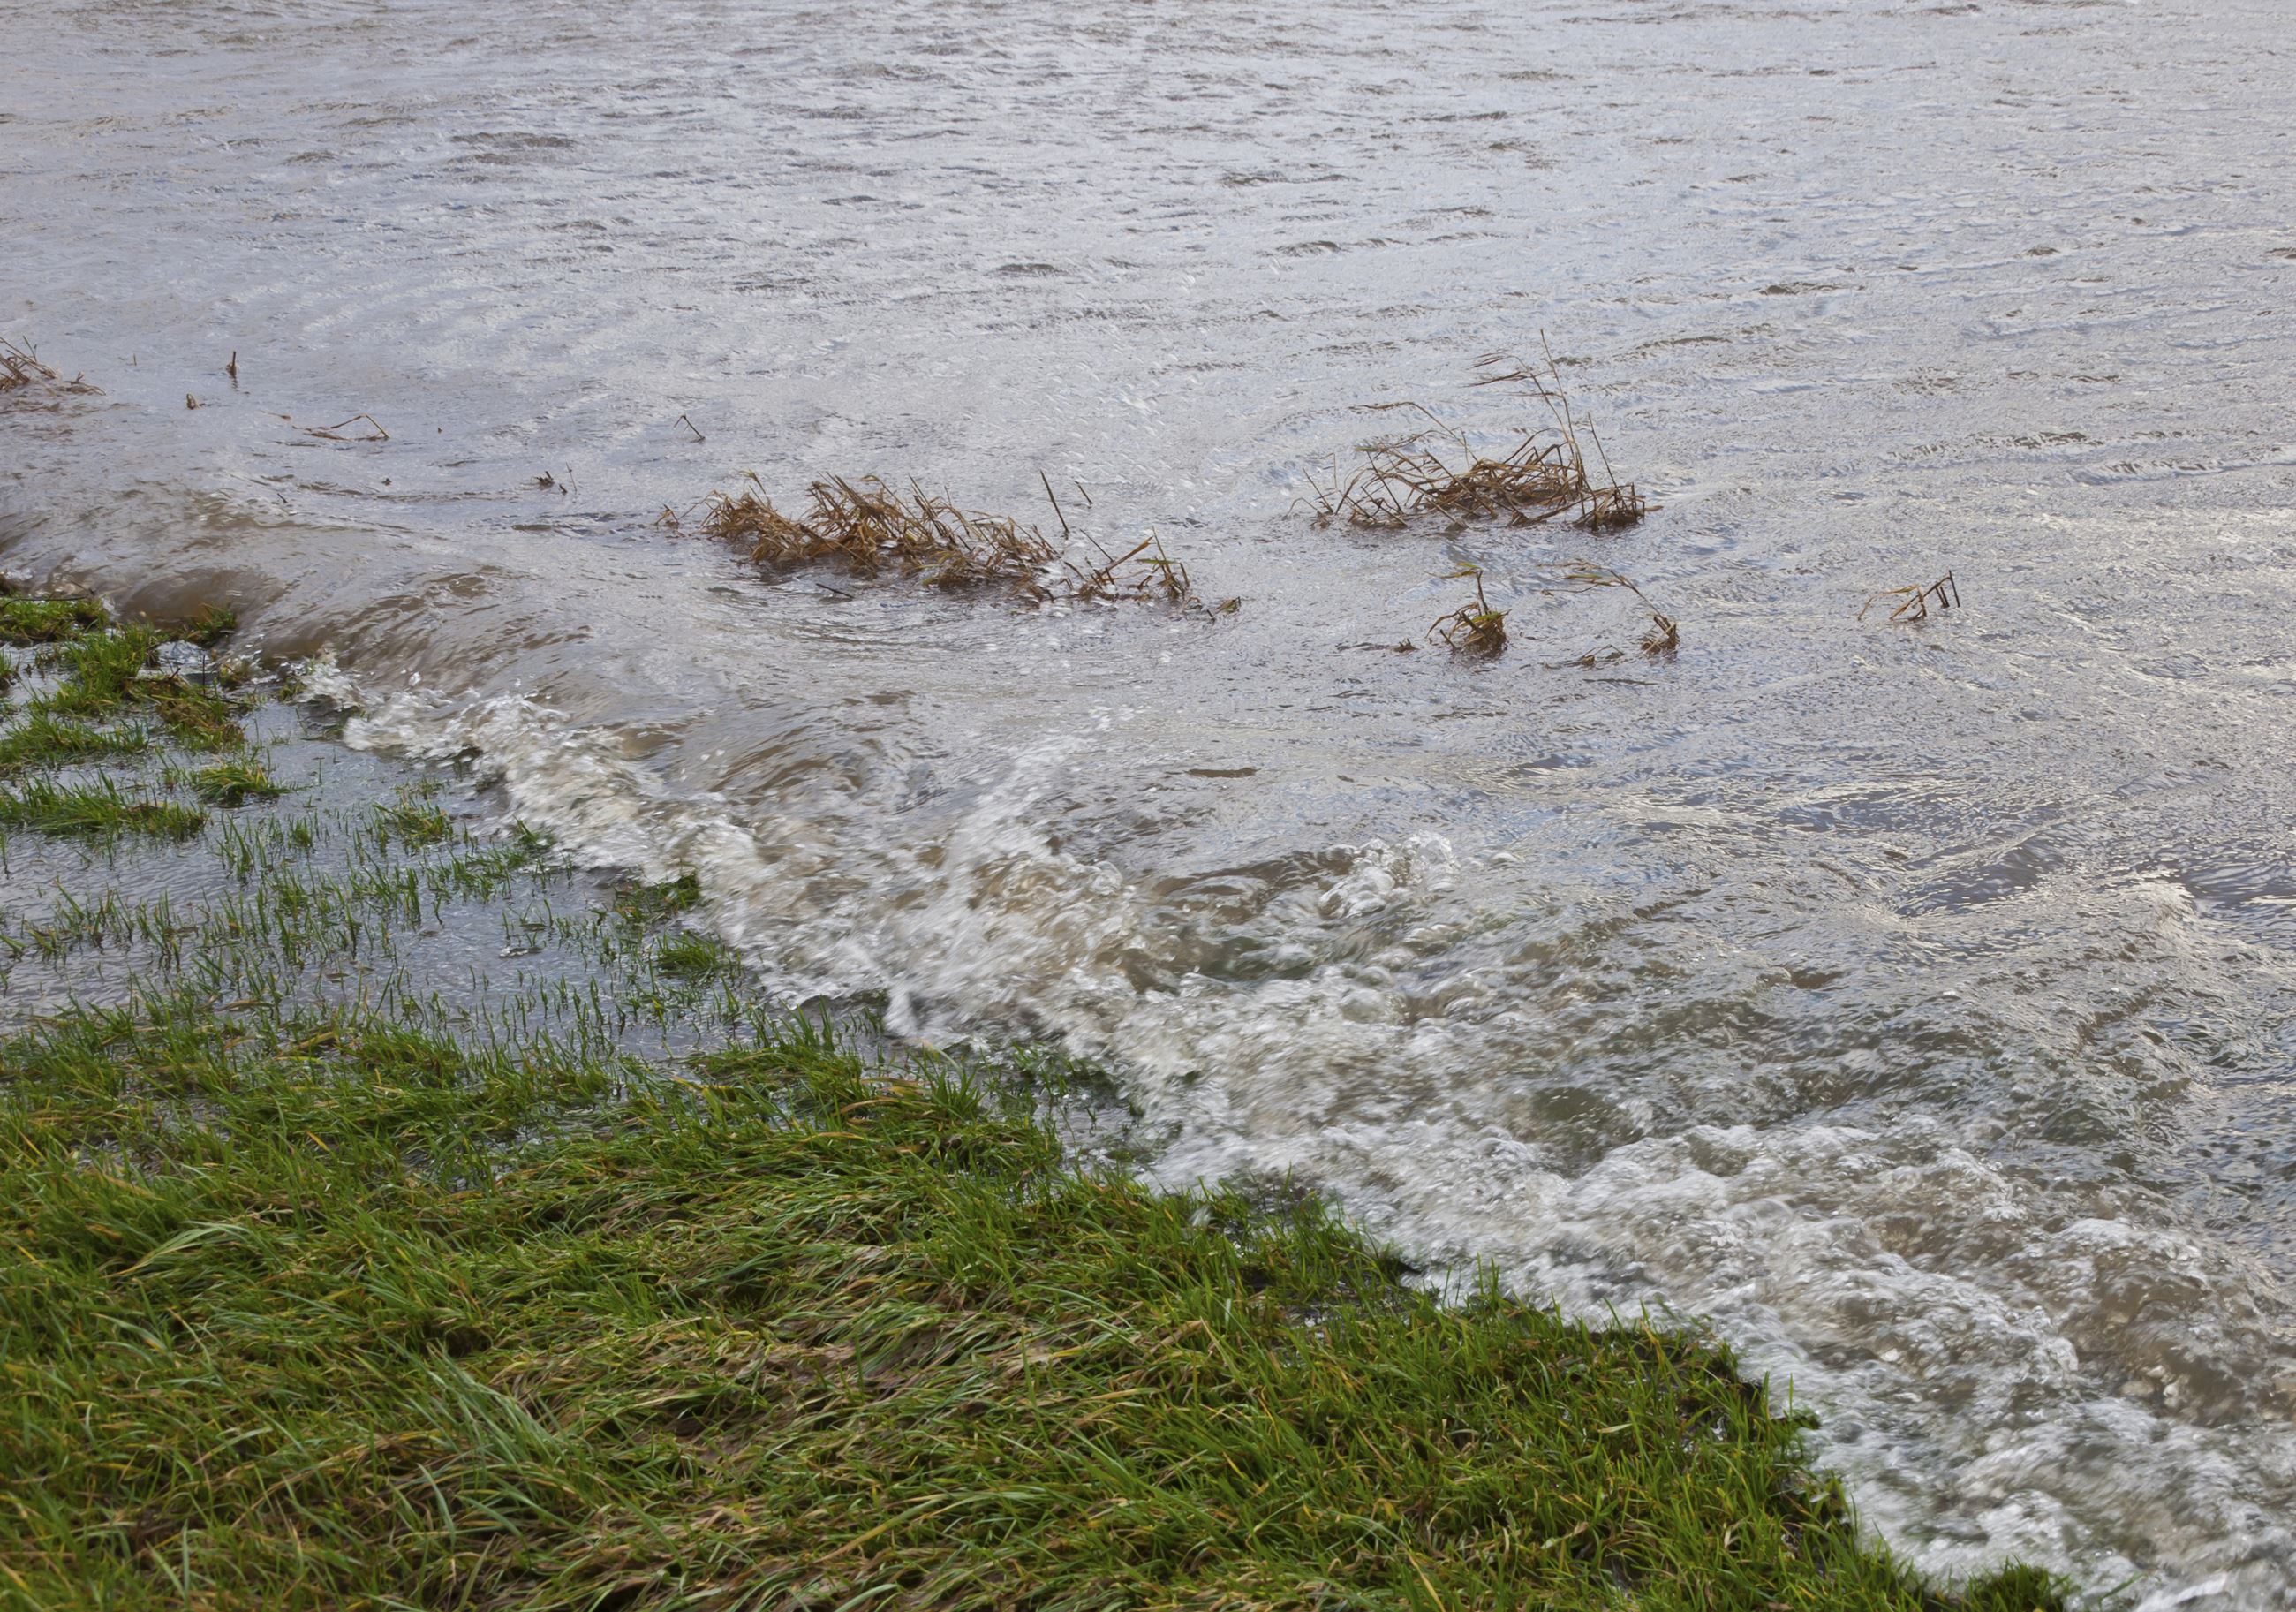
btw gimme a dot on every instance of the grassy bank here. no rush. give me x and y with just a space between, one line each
391 1216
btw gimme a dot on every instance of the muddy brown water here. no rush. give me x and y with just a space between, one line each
1918 1003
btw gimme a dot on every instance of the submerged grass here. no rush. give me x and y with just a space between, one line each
99 706
692 955
314 1296
414 820
640 903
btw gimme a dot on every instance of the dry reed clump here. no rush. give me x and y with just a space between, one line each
1664 634
20 367
1437 471
1914 601
1473 628
870 529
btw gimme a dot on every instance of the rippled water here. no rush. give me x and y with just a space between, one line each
1919 1003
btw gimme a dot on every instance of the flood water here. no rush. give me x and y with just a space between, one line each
1916 1002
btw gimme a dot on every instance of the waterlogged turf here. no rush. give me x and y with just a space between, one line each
391 1216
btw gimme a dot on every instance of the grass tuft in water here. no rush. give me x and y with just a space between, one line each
24 620
95 812
234 783
21 368
211 626
871 530
1549 473
651 903
413 821
1473 628
1662 636
690 954
40 738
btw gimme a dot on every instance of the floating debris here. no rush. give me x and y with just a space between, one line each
1914 602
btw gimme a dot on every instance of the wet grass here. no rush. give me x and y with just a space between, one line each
210 625
41 738
97 810
414 820
234 783
323 1287
46 620
98 703
807 1331
105 673
692 955
639 903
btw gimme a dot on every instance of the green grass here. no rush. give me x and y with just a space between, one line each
88 716
24 620
327 1313
99 682
194 718
41 738
234 783
413 821
690 954
651 903
95 810
210 625
99 668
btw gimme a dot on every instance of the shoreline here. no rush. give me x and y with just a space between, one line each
399 1217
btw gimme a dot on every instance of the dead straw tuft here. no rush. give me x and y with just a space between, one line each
1547 474
1473 628
1914 602
872 530
1664 636
20 367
